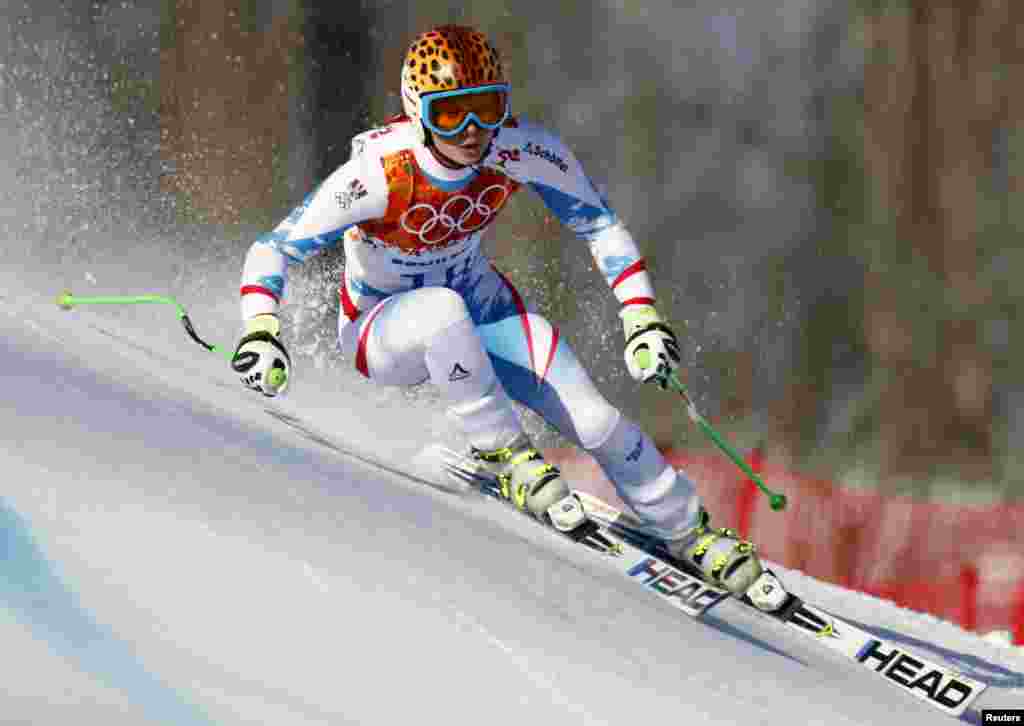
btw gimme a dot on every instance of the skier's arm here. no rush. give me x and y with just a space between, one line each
354 193
652 350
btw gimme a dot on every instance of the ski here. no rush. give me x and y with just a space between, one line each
646 563
615 534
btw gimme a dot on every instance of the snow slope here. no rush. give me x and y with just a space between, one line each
172 554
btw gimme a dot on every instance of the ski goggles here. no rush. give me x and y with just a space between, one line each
448 113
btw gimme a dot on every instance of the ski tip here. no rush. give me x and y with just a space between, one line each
65 301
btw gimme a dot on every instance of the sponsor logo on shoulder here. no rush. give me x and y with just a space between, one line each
546 154
634 455
351 194
507 155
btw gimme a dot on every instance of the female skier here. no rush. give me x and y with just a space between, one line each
420 301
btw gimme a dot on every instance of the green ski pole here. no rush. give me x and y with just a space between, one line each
776 500
66 300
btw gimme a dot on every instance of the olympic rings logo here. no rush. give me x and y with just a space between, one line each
455 215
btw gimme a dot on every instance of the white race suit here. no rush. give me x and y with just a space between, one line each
420 301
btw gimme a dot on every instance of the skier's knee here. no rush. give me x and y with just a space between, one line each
431 311
447 304
443 307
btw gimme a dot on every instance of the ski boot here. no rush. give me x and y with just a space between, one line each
531 484
719 555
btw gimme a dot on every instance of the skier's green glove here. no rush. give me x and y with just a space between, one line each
652 350
260 359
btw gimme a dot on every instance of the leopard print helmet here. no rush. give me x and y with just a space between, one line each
446 58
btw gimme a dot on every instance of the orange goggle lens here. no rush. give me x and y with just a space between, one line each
450 112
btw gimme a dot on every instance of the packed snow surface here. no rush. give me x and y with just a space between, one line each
172 554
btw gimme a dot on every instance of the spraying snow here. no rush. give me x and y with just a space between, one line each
175 555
